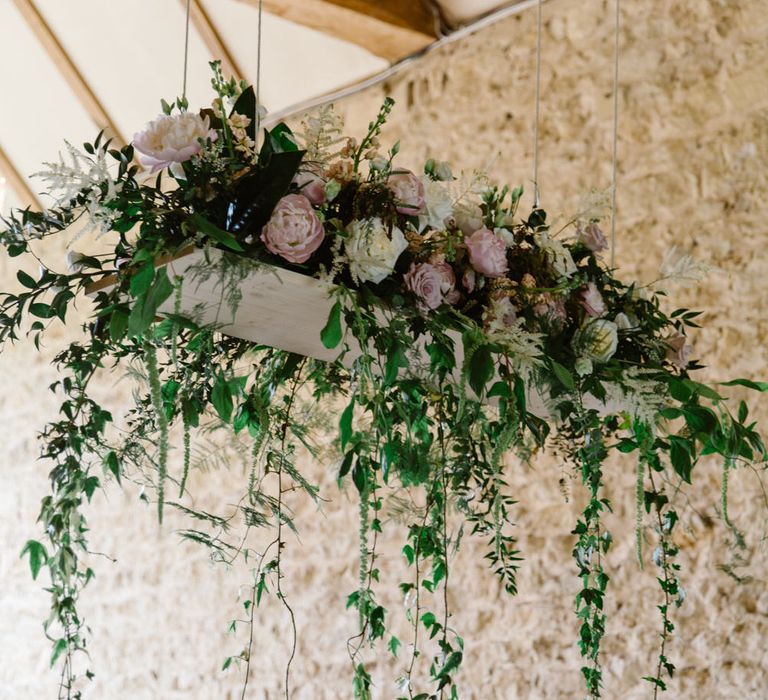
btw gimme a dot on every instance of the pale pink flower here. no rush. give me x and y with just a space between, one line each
487 253
678 351
171 140
426 282
409 192
312 186
500 312
293 232
592 237
592 301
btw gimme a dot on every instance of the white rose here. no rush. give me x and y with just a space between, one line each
597 340
439 205
468 216
373 250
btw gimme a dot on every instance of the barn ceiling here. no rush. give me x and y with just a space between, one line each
68 69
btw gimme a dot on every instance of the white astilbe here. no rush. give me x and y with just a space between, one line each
594 205
682 268
557 254
524 348
83 174
321 135
642 398
77 174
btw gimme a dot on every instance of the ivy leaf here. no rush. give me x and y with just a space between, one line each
37 556
145 309
58 649
394 645
331 333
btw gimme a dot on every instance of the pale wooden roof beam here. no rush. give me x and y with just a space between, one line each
382 27
17 182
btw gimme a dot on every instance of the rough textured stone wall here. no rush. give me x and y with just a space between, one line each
693 164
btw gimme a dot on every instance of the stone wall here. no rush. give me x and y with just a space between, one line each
693 158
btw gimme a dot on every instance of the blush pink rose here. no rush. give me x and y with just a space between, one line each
312 186
592 301
409 192
678 351
432 283
592 237
293 232
487 253
170 140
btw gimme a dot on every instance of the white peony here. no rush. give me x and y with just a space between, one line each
373 250
438 203
170 140
597 340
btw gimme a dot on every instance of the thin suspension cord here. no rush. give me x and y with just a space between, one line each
615 134
186 54
258 75
538 109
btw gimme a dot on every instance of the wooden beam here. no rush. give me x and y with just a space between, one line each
373 25
212 39
68 69
18 183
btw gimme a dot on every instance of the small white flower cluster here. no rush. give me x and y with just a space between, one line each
83 174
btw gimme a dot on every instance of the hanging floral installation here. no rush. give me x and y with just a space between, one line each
463 333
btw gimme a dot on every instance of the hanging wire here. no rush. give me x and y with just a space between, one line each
186 54
258 75
615 134
538 107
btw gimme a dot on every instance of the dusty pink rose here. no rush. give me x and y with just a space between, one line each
592 301
592 237
170 140
293 232
430 283
452 295
409 192
487 253
678 351
312 186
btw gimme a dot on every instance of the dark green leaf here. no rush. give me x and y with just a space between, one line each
331 333
563 375
345 424
480 369
25 279
756 386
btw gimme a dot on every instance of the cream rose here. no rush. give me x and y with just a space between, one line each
372 250
170 140
597 340
438 204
